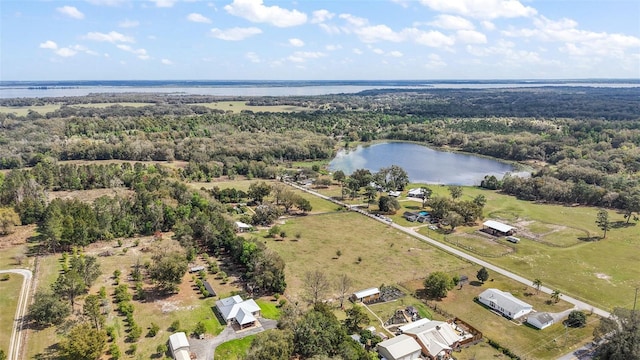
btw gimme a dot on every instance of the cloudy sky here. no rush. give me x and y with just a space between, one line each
319 39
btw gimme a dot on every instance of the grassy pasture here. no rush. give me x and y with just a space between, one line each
234 349
106 105
24 110
602 272
239 106
9 294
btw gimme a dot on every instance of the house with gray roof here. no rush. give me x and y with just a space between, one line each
402 347
234 310
540 320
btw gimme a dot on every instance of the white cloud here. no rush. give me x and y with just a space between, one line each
375 33
482 9
256 11
471 37
357 51
112 37
451 22
354 20
320 16
66 52
164 3
395 53
488 25
70 11
377 51
253 57
166 62
296 42
84 49
330 29
235 34
107 2
575 41
302 56
140 53
434 61
332 47
199 18
128 23
49 45
434 39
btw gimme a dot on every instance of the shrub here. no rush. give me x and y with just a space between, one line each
114 351
132 349
134 334
175 325
161 349
5 277
153 330
576 319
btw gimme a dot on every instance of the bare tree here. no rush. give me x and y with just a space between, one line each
317 285
344 287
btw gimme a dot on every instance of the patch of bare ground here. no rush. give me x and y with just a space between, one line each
523 229
18 237
89 195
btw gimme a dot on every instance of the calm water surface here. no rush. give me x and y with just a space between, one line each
424 165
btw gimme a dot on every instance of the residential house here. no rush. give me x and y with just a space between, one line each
366 295
540 320
402 347
497 228
416 193
505 303
437 339
179 346
234 310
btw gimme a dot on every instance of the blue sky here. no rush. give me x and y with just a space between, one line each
318 40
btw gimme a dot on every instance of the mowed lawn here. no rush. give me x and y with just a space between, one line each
9 294
602 272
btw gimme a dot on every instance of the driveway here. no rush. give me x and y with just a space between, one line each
21 309
205 349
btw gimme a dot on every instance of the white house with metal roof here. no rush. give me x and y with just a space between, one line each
436 338
540 320
402 347
505 303
235 310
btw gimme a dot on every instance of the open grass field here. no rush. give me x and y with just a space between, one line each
9 293
24 110
239 106
106 105
555 240
234 349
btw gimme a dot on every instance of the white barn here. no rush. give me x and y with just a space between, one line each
540 320
179 345
505 303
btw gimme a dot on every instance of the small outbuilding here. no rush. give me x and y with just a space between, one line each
402 347
497 228
209 288
195 269
179 346
366 295
416 193
540 320
242 227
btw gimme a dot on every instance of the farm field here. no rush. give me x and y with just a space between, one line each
24 110
239 106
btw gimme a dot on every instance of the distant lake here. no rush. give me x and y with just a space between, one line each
424 165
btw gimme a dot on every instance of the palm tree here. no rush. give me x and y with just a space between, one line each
537 283
555 296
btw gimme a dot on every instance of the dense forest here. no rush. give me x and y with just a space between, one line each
584 142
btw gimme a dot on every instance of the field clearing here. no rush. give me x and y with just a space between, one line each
16 245
106 105
604 272
89 195
388 256
387 309
9 293
239 106
24 110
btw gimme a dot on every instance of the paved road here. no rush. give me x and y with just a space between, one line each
21 309
205 349
581 353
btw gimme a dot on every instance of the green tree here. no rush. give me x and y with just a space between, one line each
91 309
167 270
482 275
339 176
258 191
271 345
631 204
200 328
48 308
576 319
387 204
622 333
344 285
438 284
555 296
455 191
537 283
356 318
83 342
453 219
87 267
3 356
318 332
480 200
602 220
69 285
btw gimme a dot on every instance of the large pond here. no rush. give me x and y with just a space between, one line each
424 165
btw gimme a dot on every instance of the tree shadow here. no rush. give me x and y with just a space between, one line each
475 283
50 353
590 238
621 224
